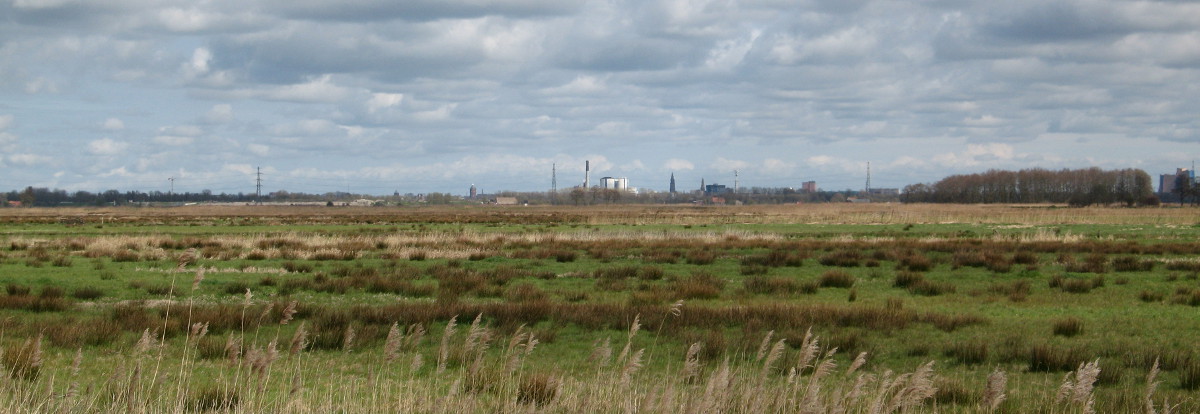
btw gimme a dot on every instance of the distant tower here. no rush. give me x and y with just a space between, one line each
553 178
868 177
702 187
473 191
735 181
587 170
672 183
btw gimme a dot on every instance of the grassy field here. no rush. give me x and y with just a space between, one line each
808 308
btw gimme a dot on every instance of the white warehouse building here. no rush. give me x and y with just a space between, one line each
610 183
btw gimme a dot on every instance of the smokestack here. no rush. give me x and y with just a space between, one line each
587 171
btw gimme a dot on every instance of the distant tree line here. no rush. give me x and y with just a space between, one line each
45 197
1080 187
753 195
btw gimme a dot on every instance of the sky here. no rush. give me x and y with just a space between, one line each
416 96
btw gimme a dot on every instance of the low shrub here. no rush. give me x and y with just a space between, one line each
1025 258
699 285
915 262
1068 327
16 290
662 256
525 292
701 257
905 278
213 398
751 270
1148 296
809 288
842 258
565 256
1132 264
619 272
775 258
836 279
537 389
1184 265
1189 374
1094 263
236 288
650 273
87 293
950 323
1048 358
770 285
1186 296
293 267
968 352
928 288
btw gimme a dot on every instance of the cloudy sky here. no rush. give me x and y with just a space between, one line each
375 96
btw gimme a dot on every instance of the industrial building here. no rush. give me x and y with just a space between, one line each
1166 182
614 183
808 187
715 189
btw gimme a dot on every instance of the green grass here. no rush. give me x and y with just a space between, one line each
976 318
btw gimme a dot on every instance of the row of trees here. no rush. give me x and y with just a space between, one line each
45 197
1080 187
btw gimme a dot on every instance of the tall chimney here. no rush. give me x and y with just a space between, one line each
587 171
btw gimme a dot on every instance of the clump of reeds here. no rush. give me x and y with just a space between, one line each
1068 327
24 361
836 279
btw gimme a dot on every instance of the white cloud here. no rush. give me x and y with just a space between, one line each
728 54
676 164
581 85
219 114
775 89
40 85
199 63
176 141
635 165
185 20
381 101
42 4
113 124
29 160
727 165
107 147
258 149
319 89
7 141
983 121
975 155
182 130
776 167
821 160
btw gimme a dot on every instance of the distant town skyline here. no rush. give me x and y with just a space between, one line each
377 96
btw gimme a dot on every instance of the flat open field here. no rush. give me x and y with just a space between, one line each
805 308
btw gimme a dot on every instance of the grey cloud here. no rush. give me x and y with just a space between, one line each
1039 22
417 10
356 87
